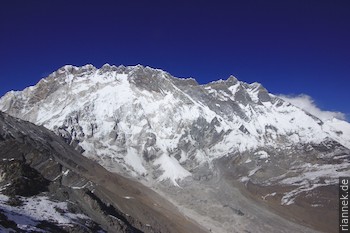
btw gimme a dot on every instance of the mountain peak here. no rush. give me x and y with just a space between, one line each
143 122
87 105
232 79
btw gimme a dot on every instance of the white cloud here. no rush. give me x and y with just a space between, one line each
306 103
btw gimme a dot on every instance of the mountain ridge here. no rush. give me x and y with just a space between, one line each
47 186
144 123
227 98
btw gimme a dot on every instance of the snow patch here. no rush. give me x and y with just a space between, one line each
252 172
36 209
172 169
132 158
262 154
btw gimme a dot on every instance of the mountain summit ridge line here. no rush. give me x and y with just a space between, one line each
243 116
167 132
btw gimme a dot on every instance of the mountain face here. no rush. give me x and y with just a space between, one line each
144 123
47 186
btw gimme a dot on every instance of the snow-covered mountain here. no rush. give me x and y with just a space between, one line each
146 123
46 186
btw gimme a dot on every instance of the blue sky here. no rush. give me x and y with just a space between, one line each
292 46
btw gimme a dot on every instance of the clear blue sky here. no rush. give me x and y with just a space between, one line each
290 46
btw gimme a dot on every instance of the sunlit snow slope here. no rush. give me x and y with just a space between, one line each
145 122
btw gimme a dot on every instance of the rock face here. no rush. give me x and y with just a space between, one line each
48 186
143 122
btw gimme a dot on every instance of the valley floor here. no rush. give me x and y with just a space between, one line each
220 207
